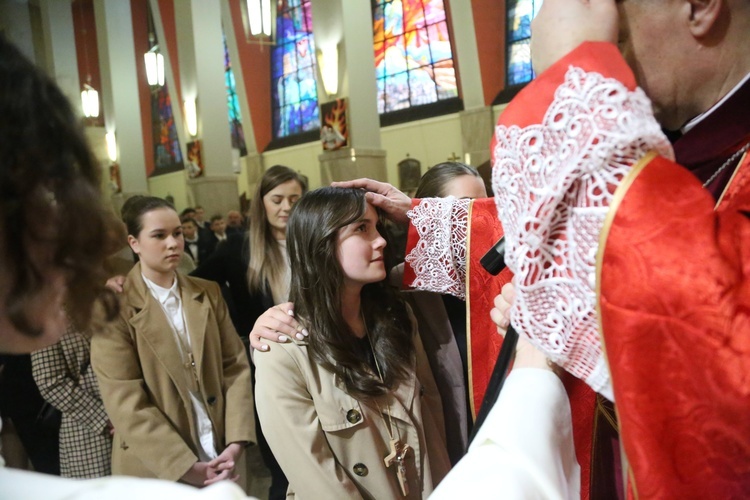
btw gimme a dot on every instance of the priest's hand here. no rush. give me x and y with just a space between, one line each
562 25
384 196
276 325
527 355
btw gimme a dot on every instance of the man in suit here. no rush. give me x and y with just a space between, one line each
195 245
235 222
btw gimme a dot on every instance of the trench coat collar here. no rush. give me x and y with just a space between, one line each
152 324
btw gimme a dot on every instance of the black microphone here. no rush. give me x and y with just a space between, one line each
493 262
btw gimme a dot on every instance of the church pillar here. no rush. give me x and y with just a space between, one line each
60 47
201 53
119 93
349 25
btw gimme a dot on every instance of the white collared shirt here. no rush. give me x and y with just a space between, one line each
171 302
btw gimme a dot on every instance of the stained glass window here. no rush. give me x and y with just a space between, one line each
294 92
167 152
520 14
235 117
413 55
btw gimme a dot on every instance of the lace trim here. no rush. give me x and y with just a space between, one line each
554 182
439 257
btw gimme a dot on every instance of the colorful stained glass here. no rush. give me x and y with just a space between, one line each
413 54
167 152
233 105
294 90
520 14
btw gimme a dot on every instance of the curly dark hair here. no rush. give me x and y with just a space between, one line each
317 280
52 217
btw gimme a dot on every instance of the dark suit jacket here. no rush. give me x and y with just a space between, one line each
204 248
228 265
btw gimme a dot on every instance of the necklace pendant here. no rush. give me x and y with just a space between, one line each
397 457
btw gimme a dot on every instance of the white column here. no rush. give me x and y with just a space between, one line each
15 22
120 99
201 53
60 47
202 77
348 24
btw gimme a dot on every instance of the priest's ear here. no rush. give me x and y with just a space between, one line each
708 19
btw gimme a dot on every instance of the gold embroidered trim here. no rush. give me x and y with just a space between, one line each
619 195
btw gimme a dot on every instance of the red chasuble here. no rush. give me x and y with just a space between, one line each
674 300
675 313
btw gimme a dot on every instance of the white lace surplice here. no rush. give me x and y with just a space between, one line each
554 183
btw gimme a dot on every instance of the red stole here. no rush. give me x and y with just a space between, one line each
484 345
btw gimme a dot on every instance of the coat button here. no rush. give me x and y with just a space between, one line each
211 400
360 470
353 416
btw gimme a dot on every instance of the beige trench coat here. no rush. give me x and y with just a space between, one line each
331 445
143 382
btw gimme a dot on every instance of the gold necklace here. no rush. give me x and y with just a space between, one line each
398 449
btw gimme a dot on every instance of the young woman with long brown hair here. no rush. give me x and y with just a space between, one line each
174 377
352 409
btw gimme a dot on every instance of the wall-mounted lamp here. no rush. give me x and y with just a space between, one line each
90 101
191 117
111 146
259 17
328 61
154 66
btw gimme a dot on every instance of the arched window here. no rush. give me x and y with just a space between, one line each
233 105
413 54
294 92
518 57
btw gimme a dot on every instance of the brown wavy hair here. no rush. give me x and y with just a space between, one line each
52 217
317 281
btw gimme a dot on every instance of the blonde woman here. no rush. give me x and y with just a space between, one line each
256 267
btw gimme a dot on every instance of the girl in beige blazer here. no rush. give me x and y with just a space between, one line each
352 411
173 373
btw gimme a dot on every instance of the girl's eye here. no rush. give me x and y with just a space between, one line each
362 228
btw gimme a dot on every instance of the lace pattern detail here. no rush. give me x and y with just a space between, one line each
554 183
439 258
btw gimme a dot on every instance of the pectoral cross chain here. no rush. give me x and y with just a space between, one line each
397 456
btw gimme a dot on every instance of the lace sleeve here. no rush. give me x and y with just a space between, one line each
439 257
554 182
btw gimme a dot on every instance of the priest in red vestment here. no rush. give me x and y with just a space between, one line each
630 254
